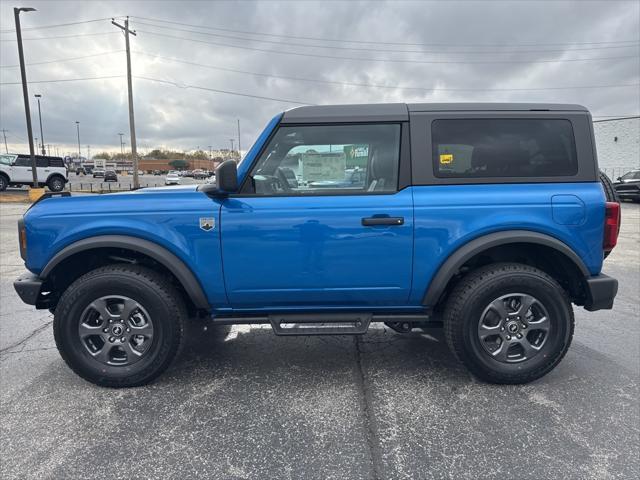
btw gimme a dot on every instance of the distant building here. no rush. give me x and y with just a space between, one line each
149 164
618 144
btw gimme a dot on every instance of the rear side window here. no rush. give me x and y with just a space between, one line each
479 148
56 162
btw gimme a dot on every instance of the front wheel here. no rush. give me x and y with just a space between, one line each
119 325
4 183
508 323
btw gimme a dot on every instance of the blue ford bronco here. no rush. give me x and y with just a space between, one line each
489 220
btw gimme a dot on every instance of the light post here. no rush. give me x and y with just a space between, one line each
78 129
121 144
38 96
231 140
25 91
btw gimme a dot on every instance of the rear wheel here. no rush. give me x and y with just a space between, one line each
609 190
508 323
56 184
610 194
4 183
119 325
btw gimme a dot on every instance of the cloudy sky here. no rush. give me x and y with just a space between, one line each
200 66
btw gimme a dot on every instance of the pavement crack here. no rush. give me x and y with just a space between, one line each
26 339
366 405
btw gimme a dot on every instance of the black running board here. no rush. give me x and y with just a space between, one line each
346 323
320 324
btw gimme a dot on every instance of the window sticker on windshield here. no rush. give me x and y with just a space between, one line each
446 158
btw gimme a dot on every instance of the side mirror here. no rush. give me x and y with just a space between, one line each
226 179
227 176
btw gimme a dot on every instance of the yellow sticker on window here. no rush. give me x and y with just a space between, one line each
446 158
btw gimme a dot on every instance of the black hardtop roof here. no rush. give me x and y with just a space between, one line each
400 111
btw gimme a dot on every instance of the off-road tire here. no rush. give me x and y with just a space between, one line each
480 287
609 190
160 299
610 194
4 183
56 183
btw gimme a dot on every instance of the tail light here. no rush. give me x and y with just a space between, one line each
611 225
22 239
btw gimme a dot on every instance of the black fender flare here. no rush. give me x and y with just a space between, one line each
463 254
160 254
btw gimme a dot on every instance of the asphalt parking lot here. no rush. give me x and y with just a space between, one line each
248 404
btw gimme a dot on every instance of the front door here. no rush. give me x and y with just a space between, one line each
321 222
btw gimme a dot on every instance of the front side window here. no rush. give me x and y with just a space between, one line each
477 148
23 161
314 159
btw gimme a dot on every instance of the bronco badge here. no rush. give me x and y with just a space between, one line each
207 224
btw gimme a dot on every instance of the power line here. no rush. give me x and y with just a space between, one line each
388 60
377 50
372 42
60 80
75 35
228 92
60 60
42 27
371 85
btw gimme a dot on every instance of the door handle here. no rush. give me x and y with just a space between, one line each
374 221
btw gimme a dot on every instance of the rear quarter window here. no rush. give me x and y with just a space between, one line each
483 148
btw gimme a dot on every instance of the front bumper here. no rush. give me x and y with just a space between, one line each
601 290
28 287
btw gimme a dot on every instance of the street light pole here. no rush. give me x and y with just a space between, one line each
38 96
25 91
4 134
239 149
121 143
78 129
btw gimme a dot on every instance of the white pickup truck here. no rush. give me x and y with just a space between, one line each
16 170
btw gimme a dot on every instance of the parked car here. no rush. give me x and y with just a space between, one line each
16 170
110 176
628 186
489 220
81 171
157 172
98 173
353 178
199 174
172 179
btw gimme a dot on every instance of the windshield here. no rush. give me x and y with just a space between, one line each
7 159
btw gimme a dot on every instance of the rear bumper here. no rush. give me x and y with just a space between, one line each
28 287
601 290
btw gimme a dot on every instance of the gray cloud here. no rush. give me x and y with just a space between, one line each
184 118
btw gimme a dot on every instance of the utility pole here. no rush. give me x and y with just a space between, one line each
132 125
38 96
78 129
121 143
4 133
239 150
88 152
25 91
